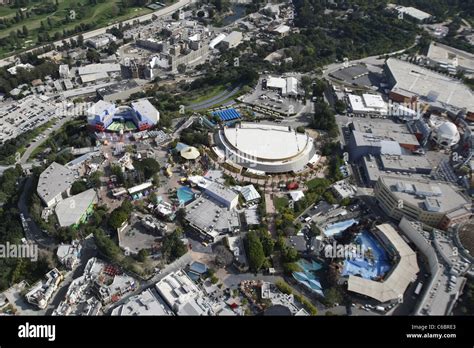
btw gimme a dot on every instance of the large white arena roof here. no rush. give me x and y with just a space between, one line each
266 148
266 142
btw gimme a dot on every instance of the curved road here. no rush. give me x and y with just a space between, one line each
33 232
35 144
217 99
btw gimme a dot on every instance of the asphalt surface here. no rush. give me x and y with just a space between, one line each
35 144
33 232
217 99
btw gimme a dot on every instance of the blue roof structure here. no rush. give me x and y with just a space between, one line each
180 146
227 115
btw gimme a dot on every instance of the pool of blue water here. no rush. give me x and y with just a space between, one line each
185 194
338 227
374 263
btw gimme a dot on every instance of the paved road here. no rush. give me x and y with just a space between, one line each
33 232
35 144
163 12
217 99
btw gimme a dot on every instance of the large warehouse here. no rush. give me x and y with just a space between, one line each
266 148
106 116
410 82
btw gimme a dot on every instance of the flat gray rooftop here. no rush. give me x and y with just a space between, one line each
386 130
71 210
450 198
404 162
54 180
205 213
446 55
433 87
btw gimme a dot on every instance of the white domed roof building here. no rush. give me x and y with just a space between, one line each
268 149
446 134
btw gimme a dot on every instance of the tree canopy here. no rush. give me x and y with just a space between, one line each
255 252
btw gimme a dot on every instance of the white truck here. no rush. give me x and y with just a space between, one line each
418 288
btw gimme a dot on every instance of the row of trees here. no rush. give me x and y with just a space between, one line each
259 246
332 150
324 118
21 15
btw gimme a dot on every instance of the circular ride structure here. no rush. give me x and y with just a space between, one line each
266 148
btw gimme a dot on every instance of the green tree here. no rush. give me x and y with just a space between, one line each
78 187
255 251
290 254
148 166
117 218
181 216
268 243
106 245
332 296
142 255
181 68
93 56
340 107
173 247
94 179
291 267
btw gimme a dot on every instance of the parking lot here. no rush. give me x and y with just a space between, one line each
269 102
360 75
17 118
136 237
